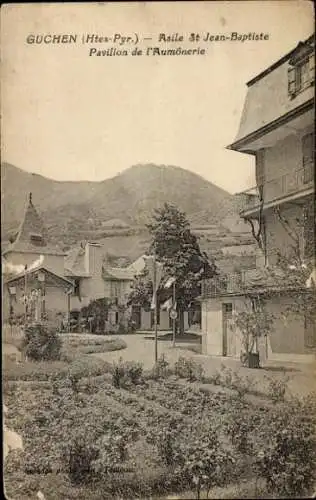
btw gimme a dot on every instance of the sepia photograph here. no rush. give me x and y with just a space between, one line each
158 250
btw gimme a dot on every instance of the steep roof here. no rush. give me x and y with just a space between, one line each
32 234
57 278
268 102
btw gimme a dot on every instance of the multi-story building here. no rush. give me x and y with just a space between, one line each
277 129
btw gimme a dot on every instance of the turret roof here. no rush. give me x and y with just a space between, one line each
32 235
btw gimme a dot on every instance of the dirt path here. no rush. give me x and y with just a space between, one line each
301 377
139 348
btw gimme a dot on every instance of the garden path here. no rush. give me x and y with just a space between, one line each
140 347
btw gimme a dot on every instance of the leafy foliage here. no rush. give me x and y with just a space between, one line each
206 463
287 461
277 389
98 311
188 369
187 435
177 248
126 372
161 368
293 273
41 343
253 324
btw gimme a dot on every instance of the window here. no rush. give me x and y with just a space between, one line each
256 304
301 75
36 239
310 333
77 288
228 310
115 289
308 147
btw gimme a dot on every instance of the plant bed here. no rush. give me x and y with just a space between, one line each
155 438
74 346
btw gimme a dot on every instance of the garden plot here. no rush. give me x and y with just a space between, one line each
126 434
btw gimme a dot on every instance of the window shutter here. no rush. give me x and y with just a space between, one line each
308 147
291 80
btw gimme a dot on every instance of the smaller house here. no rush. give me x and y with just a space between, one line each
37 293
227 295
33 272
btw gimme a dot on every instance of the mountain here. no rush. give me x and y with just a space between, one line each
79 210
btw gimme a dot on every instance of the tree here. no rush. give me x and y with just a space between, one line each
253 324
98 310
177 248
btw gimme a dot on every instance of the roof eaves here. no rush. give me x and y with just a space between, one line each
36 269
257 134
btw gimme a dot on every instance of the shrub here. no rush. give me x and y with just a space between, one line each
134 372
214 378
88 366
188 369
77 456
160 369
231 380
9 387
41 343
287 459
126 372
205 462
118 374
238 429
277 389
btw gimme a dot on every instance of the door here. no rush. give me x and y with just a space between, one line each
136 316
228 334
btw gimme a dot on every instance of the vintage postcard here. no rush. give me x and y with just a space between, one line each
158 250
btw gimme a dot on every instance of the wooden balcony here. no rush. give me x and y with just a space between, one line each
284 188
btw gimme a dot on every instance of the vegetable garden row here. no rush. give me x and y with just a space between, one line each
135 435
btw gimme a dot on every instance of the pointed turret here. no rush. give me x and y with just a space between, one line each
32 235
32 229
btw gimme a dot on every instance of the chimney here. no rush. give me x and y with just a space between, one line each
93 258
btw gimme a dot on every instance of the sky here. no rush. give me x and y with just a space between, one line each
70 116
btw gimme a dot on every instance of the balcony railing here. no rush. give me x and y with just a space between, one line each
223 285
278 188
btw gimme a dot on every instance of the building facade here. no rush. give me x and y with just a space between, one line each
277 129
40 280
34 283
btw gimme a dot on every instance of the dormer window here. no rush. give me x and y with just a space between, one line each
36 239
301 74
